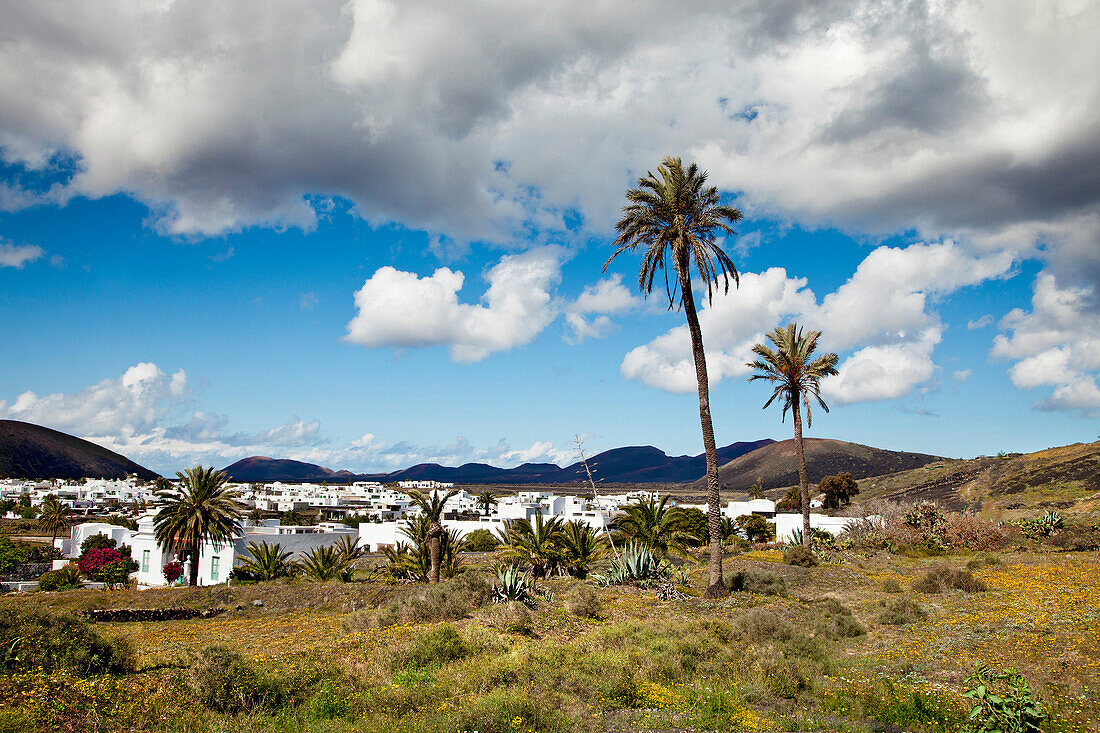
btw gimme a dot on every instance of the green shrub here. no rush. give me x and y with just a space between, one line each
1003 703
582 600
799 555
942 577
837 621
224 681
439 646
761 582
901 611
64 578
450 600
480 540
327 703
507 711
511 616
32 639
891 585
761 625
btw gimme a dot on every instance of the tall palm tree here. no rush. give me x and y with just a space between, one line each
485 500
53 516
198 510
581 545
538 543
676 219
795 378
431 505
267 562
657 525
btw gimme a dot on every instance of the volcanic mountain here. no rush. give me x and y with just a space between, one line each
636 464
32 451
776 464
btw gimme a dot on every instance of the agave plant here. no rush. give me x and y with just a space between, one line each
513 584
638 563
267 562
322 563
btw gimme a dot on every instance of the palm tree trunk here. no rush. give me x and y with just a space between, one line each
716 587
803 483
194 579
434 551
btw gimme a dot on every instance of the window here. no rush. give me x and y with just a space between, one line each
145 561
214 569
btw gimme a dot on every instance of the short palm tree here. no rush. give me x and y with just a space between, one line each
657 525
267 562
795 377
581 546
676 218
485 500
322 563
538 543
349 548
431 506
199 509
53 516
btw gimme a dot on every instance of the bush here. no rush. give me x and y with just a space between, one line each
224 681
96 542
581 600
838 622
799 555
891 585
511 616
971 532
942 577
761 625
173 571
901 611
440 645
29 640
65 578
506 711
761 582
480 540
450 600
1003 702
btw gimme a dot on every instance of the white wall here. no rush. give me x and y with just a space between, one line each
787 524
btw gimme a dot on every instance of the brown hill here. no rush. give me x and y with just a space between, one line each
32 451
776 465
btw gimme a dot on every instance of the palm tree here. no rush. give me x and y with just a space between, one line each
349 549
657 525
53 516
795 378
267 562
431 506
580 547
322 563
485 500
677 217
256 515
199 510
537 543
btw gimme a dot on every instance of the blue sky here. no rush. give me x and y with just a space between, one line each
259 254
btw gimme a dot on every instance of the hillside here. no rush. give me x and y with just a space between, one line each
32 451
1064 478
635 464
776 464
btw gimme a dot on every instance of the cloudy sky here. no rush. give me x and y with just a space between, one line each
370 233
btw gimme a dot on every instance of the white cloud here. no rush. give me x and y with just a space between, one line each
975 324
961 375
484 118
17 256
884 312
398 309
608 296
1056 344
308 301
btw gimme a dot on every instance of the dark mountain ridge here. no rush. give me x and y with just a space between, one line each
32 451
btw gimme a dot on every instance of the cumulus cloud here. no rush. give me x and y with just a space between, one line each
480 119
608 296
883 314
17 256
1055 344
399 309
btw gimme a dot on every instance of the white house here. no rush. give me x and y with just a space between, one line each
70 546
787 524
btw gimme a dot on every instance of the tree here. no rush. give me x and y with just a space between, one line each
266 562
658 525
791 501
480 540
795 377
291 518
485 500
677 217
322 563
755 527
53 516
256 515
199 509
580 547
838 489
756 491
431 506
538 543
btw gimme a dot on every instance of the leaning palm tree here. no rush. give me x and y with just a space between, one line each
267 562
657 525
676 218
431 506
53 517
199 509
795 378
581 545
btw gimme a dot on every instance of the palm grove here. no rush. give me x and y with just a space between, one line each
678 222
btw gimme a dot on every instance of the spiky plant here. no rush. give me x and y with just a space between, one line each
581 546
267 562
658 525
536 544
677 219
432 505
199 509
795 376
513 584
322 563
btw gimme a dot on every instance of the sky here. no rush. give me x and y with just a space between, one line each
370 234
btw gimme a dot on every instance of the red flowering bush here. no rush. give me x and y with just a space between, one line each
173 571
92 561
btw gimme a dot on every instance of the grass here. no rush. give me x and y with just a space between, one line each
822 657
